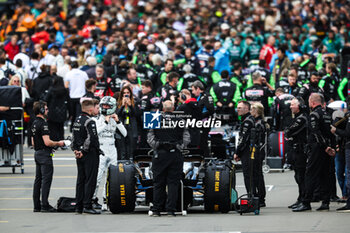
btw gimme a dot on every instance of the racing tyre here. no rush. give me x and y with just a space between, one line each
120 187
218 183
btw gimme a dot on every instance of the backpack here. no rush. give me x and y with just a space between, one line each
66 204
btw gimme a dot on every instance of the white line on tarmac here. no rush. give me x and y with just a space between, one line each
54 158
18 198
268 186
55 165
32 177
4 221
58 188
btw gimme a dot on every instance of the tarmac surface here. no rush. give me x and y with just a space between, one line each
16 208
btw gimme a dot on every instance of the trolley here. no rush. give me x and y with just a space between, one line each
11 128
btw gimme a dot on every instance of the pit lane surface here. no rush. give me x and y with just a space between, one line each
16 208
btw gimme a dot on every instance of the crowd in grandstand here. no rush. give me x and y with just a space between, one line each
53 48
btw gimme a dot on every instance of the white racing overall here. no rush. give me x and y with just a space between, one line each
107 145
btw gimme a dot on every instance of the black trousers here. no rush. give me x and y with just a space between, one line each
261 181
317 172
128 145
203 144
43 178
299 163
56 130
86 180
250 167
74 109
167 170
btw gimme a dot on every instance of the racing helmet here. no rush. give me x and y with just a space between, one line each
108 105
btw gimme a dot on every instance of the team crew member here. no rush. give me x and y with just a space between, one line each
244 146
107 124
345 133
296 133
318 162
206 108
257 111
43 146
86 149
259 92
167 162
225 94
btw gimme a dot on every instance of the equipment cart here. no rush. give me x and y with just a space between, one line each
11 128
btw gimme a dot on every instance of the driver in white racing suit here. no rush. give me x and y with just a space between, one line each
107 124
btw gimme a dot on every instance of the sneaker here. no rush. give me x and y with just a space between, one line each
344 209
95 204
104 207
48 209
323 207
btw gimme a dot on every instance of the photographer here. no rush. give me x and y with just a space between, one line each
206 109
43 146
167 162
127 113
189 106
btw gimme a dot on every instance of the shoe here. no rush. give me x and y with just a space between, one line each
334 199
91 211
342 200
36 210
302 207
171 214
104 207
155 214
323 207
64 148
95 204
344 209
48 209
262 204
294 205
78 211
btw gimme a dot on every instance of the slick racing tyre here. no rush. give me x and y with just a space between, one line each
120 187
219 181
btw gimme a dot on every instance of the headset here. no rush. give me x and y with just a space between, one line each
183 97
41 107
302 105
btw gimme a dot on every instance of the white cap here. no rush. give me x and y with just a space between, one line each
225 26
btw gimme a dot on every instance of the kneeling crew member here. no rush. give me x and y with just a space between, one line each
167 162
43 146
86 149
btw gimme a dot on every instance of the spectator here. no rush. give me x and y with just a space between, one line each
75 81
57 101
